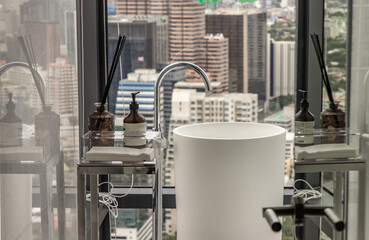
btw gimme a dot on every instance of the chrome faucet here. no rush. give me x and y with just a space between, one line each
161 76
25 65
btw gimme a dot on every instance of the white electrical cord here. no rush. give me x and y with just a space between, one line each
110 201
306 194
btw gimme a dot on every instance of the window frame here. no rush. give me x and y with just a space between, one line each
92 63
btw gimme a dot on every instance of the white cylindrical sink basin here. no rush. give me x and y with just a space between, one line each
225 174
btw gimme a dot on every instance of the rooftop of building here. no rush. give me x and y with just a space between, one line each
195 85
209 96
233 11
142 75
218 36
137 18
279 116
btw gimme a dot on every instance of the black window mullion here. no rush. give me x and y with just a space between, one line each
309 19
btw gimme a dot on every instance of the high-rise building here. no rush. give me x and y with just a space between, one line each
12 19
186 31
159 7
45 40
62 87
147 41
70 36
289 159
40 11
62 94
215 61
143 81
146 45
282 74
189 106
257 57
246 31
11 51
187 40
142 7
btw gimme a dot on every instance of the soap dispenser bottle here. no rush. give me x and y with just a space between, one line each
10 126
304 123
134 126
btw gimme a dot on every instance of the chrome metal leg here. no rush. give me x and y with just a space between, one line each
338 199
61 196
81 199
361 205
46 207
158 202
94 208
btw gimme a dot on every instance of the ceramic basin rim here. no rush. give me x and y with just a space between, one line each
277 131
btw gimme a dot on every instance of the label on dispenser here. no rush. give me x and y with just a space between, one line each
11 134
134 134
304 132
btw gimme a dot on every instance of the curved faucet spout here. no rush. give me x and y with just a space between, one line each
161 76
25 65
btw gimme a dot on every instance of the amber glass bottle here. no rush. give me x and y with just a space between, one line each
333 123
333 118
101 122
304 123
134 126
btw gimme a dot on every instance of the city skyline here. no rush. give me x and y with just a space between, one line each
177 33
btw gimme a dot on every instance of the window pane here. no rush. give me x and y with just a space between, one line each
335 30
38 119
247 50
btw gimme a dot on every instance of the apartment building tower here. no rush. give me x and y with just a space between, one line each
186 36
186 31
215 61
282 74
142 7
146 46
189 106
246 31
143 81
62 86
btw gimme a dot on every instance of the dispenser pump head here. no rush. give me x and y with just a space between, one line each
304 103
134 104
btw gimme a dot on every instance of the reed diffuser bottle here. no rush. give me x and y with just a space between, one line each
333 117
332 121
47 130
101 120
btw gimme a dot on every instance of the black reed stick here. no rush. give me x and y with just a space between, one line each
118 51
323 68
33 71
30 47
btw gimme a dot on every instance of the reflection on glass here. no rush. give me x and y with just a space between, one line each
38 146
10 126
335 32
47 130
